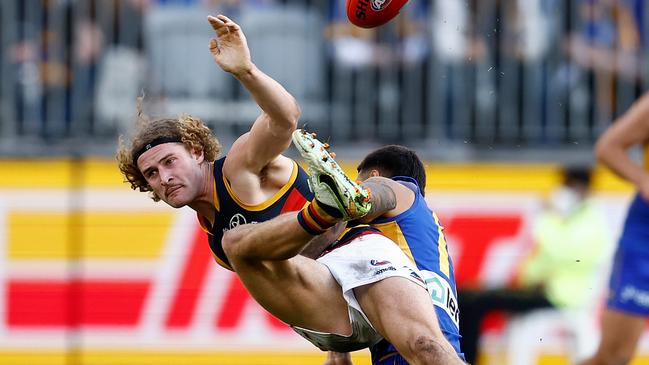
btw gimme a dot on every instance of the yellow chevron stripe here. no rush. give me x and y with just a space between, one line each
103 173
164 358
101 235
220 358
549 359
444 265
392 230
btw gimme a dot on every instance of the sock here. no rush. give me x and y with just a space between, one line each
315 217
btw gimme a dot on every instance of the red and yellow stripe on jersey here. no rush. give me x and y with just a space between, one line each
231 211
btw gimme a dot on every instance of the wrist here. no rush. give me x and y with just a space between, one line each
245 72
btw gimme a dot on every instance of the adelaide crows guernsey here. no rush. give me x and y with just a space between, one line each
420 236
232 212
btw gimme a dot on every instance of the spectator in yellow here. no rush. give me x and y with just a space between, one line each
572 242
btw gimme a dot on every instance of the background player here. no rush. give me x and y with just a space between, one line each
624 318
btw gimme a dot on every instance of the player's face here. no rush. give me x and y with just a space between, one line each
173 173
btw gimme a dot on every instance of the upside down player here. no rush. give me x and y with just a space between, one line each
175 159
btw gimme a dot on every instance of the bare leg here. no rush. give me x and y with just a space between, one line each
403 313
297 290
338 358
620 335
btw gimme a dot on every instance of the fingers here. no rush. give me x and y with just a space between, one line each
217 24
214 46
222 24
225 19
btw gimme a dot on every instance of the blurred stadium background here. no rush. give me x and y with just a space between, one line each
495 95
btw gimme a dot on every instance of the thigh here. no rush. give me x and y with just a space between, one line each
299 291
620 334
397 307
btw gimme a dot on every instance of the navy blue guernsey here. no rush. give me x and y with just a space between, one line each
232 212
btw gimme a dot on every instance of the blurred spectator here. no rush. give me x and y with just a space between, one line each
41 67
404 39
571 241
605 47
535 24
413 44
351 46
459 45
119 71
454 37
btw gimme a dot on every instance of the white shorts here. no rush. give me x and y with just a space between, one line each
364 260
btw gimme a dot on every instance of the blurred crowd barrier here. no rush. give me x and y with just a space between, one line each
452 75
93 273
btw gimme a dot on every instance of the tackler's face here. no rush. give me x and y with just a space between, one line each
173 172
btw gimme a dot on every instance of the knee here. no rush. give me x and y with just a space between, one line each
429 350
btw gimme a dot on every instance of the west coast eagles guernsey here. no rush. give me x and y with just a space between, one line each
420 236
629 281
232 212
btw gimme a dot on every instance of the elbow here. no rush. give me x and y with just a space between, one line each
284 121
294 114
600 150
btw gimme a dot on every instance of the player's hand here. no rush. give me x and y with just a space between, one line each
338 358
229 47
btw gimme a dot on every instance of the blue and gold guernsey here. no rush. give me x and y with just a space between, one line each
232 212
420 236
629 281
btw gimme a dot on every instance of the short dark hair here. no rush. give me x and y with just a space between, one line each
395 160
577 175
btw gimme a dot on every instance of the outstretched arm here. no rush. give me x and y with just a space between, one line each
270 134
630 129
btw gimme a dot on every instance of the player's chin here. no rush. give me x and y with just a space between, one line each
176 201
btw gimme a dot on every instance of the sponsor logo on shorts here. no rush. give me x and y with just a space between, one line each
416 276
638 296
378 5
385 269
379 263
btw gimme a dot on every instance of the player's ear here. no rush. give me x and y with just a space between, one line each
199 155
374 173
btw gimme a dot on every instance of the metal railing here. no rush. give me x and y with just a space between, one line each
446 75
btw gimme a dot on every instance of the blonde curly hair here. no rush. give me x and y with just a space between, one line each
191 131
